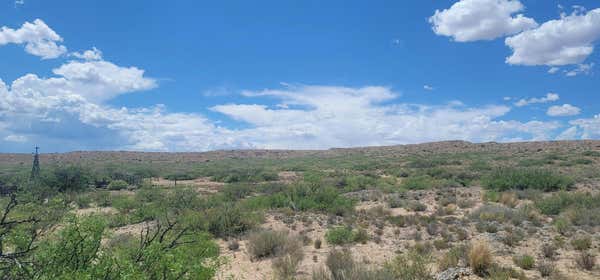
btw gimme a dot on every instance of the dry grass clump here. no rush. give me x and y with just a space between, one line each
268 243
480 258
509 199
233 245
546 269
452 258
549 250
586 260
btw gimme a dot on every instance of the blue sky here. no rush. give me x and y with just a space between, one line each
183 76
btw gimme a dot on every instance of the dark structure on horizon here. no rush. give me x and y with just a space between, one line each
35 169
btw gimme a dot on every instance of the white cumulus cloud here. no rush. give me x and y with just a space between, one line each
589 128
473 20
568 40
38 38
563 111
93 54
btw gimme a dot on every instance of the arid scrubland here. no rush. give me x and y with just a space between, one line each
447 210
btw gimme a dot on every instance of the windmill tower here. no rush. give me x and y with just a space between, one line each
35 170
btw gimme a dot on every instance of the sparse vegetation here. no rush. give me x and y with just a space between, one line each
130 221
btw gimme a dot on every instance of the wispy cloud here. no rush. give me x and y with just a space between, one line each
550 97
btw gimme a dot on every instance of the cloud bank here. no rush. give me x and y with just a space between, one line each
71 108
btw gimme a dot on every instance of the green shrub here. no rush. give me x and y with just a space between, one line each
339 235
116 185
411 265
505 179
236 191
524 261
591 153
125 203
74 251
581 243
83 200
360 236
418 183
69 178
556 203
230 220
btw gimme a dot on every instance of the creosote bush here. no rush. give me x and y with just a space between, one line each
505 179
345 235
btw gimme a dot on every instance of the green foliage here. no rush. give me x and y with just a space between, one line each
357 182
339 235
345 235
116 185
524 261
230 220
591 153
242 174
505 179
410 266
74 252
68 178
423 182
556 203
581 243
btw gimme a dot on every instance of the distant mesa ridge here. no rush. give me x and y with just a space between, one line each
426 148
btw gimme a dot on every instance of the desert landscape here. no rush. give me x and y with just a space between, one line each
444 210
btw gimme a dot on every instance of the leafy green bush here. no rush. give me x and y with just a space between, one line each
345 235
230 220
68 178
505 179
339 235
74 252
